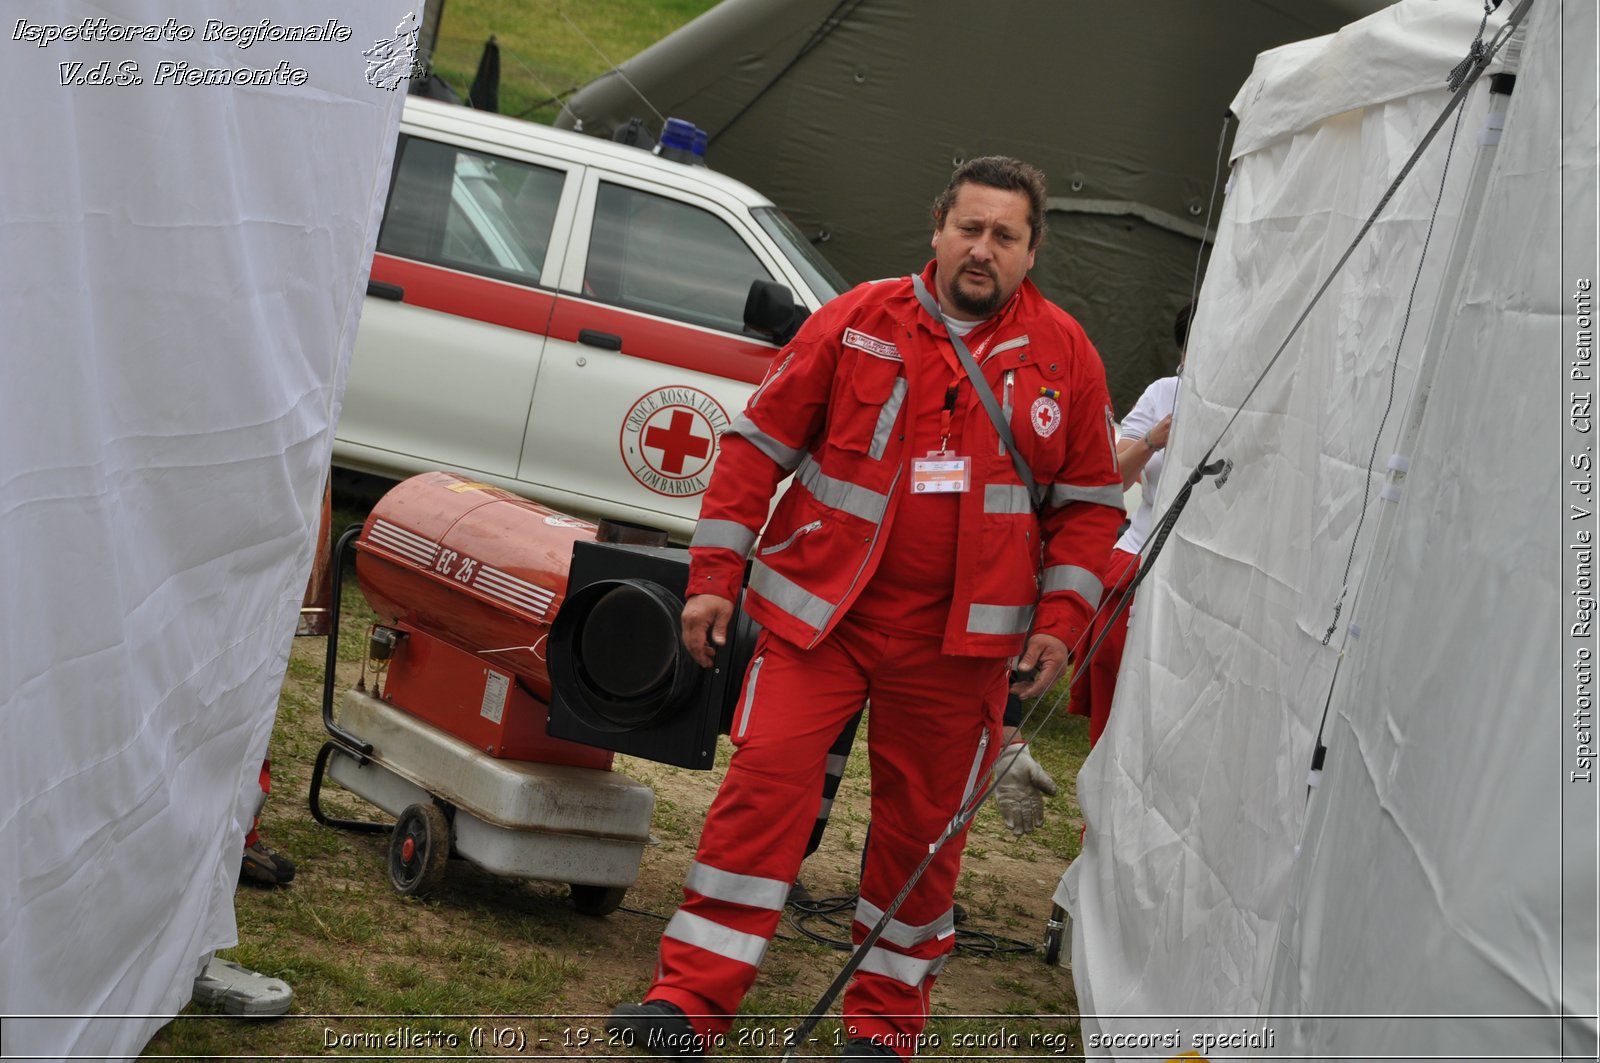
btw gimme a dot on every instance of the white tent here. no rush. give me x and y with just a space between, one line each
182 266
1434 895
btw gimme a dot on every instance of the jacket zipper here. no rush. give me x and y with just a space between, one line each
804 529
871 544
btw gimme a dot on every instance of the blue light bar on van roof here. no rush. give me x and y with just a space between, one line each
682 141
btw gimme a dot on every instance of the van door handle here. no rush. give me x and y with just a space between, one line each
382 290
606 341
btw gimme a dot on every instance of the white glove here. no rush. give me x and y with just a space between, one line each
1021 789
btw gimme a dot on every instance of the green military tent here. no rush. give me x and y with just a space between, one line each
850 114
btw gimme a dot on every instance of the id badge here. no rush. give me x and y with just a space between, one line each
941 472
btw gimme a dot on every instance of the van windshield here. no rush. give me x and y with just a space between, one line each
825 281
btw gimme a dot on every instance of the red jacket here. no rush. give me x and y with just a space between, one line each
829 412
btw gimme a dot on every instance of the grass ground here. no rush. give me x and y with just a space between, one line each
486 953
548 48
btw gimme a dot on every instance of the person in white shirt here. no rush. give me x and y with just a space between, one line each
1141 450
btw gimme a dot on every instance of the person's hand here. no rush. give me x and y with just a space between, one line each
1049 655
1021 790
1157 436
705 626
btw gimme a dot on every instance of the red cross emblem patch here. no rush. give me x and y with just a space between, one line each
1046 416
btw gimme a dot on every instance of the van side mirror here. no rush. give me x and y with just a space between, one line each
770 310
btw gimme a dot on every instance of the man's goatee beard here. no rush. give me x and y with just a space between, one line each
978 306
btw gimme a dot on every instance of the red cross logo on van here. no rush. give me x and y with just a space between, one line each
677 441
669 440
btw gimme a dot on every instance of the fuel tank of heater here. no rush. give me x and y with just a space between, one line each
476 566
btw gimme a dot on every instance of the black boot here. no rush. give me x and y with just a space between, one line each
657 1027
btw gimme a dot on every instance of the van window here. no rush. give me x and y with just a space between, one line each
665 257
825 281
470 211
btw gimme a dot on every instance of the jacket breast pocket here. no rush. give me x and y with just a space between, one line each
866 404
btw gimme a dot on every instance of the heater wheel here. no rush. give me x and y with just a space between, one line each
418 849
597 900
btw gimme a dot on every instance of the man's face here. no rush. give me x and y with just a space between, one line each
981 251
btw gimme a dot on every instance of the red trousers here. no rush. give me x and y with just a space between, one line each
933 731
1094 687
254 837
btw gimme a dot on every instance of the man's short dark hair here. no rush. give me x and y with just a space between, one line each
1002 172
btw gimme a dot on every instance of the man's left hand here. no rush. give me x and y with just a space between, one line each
1050 655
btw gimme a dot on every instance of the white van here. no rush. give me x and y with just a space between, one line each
571 319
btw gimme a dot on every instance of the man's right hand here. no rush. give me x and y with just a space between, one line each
705 626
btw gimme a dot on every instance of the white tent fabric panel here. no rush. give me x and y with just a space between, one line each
1432 878
182 268
1196 795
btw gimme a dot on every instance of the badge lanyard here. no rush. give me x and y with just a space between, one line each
943 471
985 396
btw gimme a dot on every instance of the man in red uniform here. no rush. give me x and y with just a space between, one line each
906 564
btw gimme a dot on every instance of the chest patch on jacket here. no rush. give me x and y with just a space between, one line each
872 345
1046 416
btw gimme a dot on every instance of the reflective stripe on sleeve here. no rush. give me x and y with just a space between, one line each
886 418
790 596
726 534
905 935
1061 494
1005 498
999 619
846 497
907 970
702 933
1073 578
750 890
786 456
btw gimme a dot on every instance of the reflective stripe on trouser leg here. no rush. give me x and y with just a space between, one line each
933 725
755 832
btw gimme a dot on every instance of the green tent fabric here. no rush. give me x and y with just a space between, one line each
850 114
